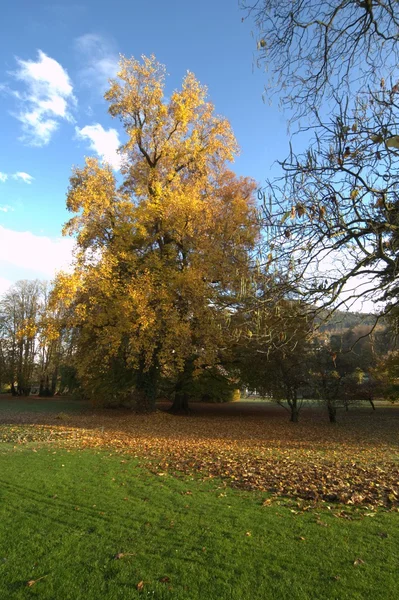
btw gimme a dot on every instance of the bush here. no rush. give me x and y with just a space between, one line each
214 385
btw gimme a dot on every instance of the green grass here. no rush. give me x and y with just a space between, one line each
66 515
34 405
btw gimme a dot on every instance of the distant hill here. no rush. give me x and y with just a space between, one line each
343 320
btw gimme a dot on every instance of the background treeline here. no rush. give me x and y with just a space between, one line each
275 350
35 354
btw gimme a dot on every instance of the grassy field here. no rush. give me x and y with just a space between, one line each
225 504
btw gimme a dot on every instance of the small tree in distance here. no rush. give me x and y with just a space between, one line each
274 352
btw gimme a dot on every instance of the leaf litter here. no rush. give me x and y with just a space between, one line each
355 463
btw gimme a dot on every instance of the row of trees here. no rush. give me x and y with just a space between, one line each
277 350
34 349
338 368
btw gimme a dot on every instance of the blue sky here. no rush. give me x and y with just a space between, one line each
55 60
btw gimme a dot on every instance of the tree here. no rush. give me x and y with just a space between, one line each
336 206
316 51
386 376
19 314
161 258
54 342
326 378
345 366
274 353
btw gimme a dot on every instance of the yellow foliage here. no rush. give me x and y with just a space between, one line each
156 256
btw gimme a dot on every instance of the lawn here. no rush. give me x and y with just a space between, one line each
116 506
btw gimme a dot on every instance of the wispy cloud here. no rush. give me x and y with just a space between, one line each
25 177
103 142
99 58
3 177
5 208
47 99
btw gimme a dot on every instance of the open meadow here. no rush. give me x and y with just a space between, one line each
232 501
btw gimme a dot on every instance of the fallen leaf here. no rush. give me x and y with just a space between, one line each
358 562
140 586
32 582
165 580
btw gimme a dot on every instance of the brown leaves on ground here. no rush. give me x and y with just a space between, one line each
121 555
32 582
355 462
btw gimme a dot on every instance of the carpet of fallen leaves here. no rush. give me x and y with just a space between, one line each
354 462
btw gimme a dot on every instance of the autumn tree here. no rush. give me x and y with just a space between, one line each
54 344
386 376
160 258
19 316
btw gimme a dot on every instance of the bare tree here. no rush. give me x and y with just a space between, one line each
335 211
315 49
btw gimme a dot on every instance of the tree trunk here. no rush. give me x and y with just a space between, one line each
294 414
144 403
180 402
332 413
54 378
294 410
372 403
13 390
146 388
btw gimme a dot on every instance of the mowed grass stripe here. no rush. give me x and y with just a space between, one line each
65 516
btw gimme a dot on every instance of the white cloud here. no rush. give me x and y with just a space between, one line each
360 292
3 177
47 100
5 208
24 176
4 285
104 143
39 256
99 58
